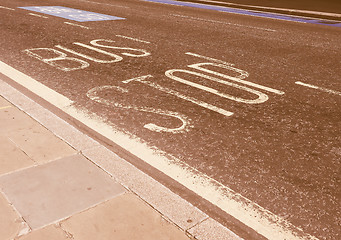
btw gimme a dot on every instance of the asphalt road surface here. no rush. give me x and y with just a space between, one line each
242 111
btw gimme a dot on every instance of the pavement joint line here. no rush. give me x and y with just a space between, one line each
77 25
25 227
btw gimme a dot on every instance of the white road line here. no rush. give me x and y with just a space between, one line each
261 220
7 8
209 58
319 88
134 39
37 15
234 24
35 86
112 5
77 25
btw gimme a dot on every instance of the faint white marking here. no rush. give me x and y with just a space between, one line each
261 96
60 57
243 74
93 94
143 80
117 57
234 24
134 39
144 52
35 86
5 107
319 88
7 8
37 15
209 58
256 217
112 5
77 25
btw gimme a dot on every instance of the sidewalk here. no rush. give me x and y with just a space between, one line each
51 188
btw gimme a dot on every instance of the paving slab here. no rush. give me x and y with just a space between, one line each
181 212
11 157
50 192
122 218
13 119
10 222
40 144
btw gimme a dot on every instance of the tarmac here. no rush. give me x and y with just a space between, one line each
58 183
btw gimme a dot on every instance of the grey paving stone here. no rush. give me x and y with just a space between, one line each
179 211
56 190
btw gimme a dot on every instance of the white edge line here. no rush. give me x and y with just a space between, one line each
37 15
261 220
134 39
7 8
319 88
77 25
35 86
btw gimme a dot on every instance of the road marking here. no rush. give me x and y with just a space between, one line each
7 8
116 57
107 4
71 13
143 80
256 217
239 79
5 107
209 58
319 88
62 62
234 24
60 56
73 24
37 15
134 39
94 95
261 96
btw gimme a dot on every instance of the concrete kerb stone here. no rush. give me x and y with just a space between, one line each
171 206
